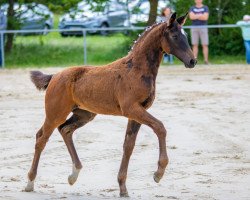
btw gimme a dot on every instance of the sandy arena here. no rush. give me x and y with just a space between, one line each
206 111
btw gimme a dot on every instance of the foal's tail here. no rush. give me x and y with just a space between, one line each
40 80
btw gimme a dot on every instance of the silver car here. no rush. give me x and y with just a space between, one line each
112 15
32 16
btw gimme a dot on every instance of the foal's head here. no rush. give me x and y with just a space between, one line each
175 41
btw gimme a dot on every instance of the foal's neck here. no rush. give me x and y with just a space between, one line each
147 52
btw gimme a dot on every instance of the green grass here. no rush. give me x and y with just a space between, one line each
54 50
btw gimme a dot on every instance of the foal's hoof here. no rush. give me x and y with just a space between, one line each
73 177
124 194
30 186
156 178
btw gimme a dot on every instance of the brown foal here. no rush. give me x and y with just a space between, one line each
125 87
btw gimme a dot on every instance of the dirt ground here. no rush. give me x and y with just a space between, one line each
206 111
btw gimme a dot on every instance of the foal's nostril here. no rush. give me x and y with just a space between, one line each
193 62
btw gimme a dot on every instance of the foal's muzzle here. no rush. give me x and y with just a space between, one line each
191 63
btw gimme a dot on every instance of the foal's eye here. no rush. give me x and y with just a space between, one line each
175 37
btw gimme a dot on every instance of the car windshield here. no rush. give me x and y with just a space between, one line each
82 6
82 10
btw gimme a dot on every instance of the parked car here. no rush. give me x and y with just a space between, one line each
113 14
32 16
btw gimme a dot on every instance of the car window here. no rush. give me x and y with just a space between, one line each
27 14
116 7
42 9
84 7
21 11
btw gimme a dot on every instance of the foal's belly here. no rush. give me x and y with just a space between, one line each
99 108
97 99
102 111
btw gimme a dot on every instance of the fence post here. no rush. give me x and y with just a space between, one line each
84 47
2 50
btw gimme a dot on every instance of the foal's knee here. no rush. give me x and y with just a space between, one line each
66 130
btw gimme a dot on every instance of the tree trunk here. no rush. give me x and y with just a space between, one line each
10 26
153 11
129 23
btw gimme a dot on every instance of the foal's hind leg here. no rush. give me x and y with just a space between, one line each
128 146
57 108
77 120
42 137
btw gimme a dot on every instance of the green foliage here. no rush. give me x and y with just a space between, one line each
60 6
225 41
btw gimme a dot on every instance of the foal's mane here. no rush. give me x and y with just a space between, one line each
145 33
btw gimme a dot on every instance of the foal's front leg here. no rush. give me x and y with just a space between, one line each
128 146
139 114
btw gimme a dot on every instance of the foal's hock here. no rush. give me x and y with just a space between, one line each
125 87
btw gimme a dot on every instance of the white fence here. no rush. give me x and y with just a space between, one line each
85 30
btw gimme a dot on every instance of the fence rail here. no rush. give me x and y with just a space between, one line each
85 30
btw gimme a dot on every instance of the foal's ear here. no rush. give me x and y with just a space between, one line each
171 19
181 20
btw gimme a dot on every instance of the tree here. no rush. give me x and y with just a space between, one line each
153 12
10 25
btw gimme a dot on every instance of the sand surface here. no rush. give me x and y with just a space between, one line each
206 111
